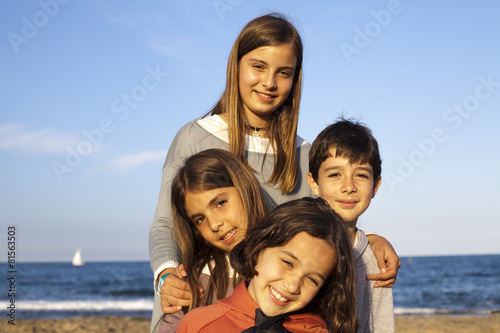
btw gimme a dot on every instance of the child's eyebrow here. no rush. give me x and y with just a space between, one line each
335 167
291 255
218 197
320 276
210 204
265 63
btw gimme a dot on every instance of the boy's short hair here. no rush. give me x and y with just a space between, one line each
352 140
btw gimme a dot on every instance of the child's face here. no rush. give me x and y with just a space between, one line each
265 80
347 187
290 276
219 216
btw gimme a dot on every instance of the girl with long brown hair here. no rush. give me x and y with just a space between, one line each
215 200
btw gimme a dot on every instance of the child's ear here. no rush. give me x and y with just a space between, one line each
376 186
312 184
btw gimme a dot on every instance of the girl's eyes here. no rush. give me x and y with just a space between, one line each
314 281
283 73
220 203
199 220
286 73
310 278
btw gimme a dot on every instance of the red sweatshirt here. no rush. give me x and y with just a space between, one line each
237 313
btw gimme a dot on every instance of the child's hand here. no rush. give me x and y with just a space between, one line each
387 260
175 292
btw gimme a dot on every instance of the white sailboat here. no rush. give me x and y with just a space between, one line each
77 259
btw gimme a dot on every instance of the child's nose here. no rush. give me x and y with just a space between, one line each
268 80
292 284
348 185
216 224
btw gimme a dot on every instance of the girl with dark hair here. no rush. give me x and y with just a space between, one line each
215 199
299 273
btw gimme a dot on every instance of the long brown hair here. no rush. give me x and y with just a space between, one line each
267 30
204 171
336 300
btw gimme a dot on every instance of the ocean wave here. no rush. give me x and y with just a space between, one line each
147 305
122 305
434 312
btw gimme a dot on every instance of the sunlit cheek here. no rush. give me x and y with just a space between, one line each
209 237
248 78
274 269
309 293
286 87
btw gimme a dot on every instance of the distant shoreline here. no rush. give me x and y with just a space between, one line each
407 324
90 261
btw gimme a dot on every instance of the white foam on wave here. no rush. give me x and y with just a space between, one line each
432 312
132 305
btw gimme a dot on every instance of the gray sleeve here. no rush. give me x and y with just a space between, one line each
375 305
162 246
382 312
190 139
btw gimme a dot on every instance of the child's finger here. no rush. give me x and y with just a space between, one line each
181 271
170 309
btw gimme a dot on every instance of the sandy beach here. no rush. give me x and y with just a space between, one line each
420 324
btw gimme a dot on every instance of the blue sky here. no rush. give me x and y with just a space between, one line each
93 93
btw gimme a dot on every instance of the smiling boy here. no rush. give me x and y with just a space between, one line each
345 170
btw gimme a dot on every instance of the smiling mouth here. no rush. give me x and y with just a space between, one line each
347 204
265 96
228 235
278 297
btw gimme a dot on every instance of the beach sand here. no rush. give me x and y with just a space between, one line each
420 324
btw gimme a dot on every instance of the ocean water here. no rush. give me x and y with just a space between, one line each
448 285
425 285
56 290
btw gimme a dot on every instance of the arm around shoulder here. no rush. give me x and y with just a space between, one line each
387 260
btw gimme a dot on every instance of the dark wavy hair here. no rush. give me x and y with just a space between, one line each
204 171
336 300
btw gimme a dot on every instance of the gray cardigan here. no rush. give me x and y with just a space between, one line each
374 306
198 135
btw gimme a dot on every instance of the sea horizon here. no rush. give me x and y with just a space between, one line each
402 257
426 285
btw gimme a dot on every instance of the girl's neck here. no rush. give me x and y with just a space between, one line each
257 132
254 120
257 127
